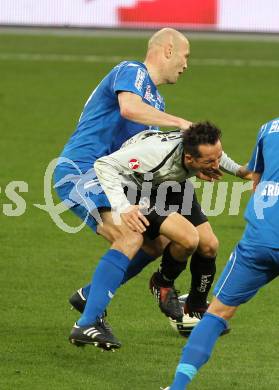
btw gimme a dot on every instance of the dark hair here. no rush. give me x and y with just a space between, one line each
201 133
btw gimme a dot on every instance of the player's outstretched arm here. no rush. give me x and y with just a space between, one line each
244 173
229 166
134 109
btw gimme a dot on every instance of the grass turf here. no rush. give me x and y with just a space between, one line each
41 266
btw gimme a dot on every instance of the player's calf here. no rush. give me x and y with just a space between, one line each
203 270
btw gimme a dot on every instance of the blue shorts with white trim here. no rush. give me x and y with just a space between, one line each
249 268
82 193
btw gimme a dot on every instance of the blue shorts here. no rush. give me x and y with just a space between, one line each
249 268
82 193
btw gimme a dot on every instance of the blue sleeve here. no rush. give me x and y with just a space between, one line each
130 78
256 163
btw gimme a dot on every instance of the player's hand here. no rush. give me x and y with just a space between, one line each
244 173
133 218
210 174
184 125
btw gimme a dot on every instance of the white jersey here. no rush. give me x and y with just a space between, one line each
152 156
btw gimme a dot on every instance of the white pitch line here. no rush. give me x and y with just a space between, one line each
58 57
234 62
115 59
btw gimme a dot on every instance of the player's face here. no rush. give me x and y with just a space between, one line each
210 156
178 61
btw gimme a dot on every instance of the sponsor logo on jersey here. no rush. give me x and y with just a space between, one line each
160 104
271 190
148 94
134 164
139 79
159 97
274 127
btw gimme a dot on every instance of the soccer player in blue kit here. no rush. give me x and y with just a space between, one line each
125 102
253 263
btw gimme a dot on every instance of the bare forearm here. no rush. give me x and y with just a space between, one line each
149 115
134 109
244 173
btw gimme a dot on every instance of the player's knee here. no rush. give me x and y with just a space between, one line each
221 310
225 312
121 235
111 233
189 242
133 239
228 315
128 240
210 247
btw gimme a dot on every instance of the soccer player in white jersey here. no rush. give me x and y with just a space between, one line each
163 157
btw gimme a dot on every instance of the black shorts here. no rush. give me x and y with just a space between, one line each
180 198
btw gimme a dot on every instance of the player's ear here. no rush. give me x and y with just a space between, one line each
168 50
188 159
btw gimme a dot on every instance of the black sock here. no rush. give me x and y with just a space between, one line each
170 268
203 270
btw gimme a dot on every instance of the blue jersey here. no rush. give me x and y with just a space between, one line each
101 129
262 212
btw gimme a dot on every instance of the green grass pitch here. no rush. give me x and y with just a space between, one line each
44 83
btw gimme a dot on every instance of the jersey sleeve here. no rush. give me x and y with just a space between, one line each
228 165
256 163
130 78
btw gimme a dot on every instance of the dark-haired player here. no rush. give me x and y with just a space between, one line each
154 161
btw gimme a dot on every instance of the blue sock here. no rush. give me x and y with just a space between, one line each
198 349
106 279
136 265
